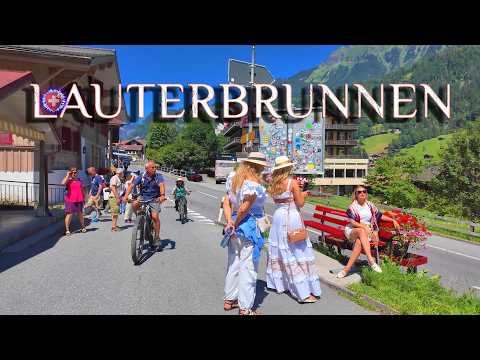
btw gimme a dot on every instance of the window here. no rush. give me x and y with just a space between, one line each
350 173
339 173
329 173
66 138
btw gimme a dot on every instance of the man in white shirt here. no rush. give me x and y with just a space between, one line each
116 187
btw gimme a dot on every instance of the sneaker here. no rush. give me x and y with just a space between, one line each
376 268
341 274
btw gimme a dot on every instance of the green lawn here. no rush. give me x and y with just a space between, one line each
377 143
431 147
414 294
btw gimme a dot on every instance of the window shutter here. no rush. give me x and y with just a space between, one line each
66 138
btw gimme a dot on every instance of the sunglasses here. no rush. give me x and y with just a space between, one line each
361 192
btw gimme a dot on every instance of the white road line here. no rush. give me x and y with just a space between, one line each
476 287
214 197
453 252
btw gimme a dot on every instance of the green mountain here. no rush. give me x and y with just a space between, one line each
359 63
457 66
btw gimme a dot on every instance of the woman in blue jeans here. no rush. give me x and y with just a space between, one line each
242 207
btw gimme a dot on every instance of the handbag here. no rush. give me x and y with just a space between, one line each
263 224
296 235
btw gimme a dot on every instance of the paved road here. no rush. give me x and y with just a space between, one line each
457 262
93 273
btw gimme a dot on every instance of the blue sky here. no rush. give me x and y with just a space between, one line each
208 63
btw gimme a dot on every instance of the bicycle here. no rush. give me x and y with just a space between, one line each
182 209
142 230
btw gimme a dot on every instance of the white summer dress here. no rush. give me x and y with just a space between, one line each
290 267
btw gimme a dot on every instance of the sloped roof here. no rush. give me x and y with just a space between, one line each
10 81
90 55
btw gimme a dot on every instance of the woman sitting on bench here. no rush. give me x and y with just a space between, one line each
363 228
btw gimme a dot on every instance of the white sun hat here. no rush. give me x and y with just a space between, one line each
282 162
257 158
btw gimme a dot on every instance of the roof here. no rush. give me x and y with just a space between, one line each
131 147
84 54
428 174
10 81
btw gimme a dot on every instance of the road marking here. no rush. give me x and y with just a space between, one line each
214 197
476 287
453 252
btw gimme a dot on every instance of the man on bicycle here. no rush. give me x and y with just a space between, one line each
180 191
152 190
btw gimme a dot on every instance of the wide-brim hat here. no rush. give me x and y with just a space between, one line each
257 158
179 179
282 162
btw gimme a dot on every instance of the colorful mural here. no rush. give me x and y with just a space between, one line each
302 141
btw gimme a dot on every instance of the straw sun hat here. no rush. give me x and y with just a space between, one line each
257 158
282 162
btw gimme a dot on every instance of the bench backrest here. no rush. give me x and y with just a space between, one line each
341 219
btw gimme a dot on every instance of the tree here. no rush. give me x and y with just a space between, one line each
161 134
202 133
391 179
459 177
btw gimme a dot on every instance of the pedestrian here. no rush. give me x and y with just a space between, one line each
363 228
291 262
116 188
128 205
243 208
74 199
97 183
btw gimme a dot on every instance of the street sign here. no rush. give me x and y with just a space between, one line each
239 72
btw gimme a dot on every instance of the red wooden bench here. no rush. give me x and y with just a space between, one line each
332 223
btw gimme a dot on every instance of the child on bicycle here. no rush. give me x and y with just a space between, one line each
180 191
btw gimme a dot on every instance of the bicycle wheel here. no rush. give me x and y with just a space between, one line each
138 239
183 210
150 230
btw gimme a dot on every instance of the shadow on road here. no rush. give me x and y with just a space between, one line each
163 246
261 293
9 259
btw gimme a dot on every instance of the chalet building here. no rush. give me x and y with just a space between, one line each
134 147
71 141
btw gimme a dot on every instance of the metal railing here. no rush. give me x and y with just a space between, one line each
173 171
26 193
341 142
341 127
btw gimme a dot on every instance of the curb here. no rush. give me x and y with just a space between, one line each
384 309
16 236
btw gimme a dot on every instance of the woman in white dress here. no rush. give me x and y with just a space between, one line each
242 207
290 266
363 228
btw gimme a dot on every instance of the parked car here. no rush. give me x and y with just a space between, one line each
193 176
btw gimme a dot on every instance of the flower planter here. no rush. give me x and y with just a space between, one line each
411 260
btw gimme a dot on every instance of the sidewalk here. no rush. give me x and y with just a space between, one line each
16 225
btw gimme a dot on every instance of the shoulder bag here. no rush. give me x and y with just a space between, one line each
296 235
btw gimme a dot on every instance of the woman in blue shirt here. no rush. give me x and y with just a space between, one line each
242 207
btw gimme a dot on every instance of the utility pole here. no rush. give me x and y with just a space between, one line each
252 82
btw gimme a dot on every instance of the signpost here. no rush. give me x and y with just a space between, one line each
244 73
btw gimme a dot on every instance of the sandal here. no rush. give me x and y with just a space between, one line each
114 228
341 274
248 312
230 305
310 300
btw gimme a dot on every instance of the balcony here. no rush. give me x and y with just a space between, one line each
342 142
232 142
232 127
352 127
349 156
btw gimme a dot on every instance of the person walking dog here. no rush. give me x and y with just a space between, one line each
243 208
